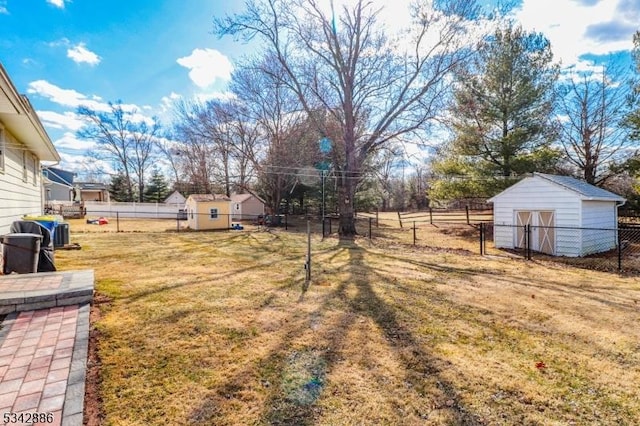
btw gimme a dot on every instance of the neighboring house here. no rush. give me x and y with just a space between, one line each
175 198
246 207
24 143
92 191
568 217
58 184
208 211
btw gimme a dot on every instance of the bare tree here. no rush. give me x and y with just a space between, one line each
284 140
591 108
370 84
122 139
195 152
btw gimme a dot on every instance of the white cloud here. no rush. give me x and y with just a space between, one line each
206 66
577 28
69 141
85 165
64 97
79 54
67 120
3 7
57 3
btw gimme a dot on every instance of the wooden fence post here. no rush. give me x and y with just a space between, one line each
467 212
430 216
400 219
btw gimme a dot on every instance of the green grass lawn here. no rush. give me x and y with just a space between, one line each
215 328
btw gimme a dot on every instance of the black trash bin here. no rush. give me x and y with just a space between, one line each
46 255
21 253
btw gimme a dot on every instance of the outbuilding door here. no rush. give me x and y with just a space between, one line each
522 218
546 233
542 231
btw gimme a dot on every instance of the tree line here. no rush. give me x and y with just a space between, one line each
329 102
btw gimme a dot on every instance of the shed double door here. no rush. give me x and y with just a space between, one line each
542 231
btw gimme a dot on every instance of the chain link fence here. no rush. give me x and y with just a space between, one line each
605 249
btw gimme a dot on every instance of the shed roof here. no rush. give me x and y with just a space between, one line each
584 190
241 198
200 198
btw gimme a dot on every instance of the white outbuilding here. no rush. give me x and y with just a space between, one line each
568 217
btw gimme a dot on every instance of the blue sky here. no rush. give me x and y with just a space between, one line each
63 53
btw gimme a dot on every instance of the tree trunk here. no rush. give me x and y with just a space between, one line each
346 193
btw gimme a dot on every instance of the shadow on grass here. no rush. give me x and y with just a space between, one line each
295 376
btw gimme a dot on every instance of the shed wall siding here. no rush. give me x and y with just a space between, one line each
538 195
249 209
598 214
201 211
17 197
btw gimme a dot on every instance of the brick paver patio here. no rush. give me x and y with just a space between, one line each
43 352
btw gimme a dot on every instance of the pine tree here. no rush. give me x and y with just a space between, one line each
119 189
501 115
157 190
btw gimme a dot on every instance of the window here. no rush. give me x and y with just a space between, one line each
2 149
213 213
34 161
25 176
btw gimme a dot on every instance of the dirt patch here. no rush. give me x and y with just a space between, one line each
93 413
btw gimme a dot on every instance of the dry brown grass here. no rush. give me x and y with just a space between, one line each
215 328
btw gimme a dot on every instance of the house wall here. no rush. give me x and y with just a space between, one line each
58 192
603 215
18 197
249 209
198 217
97 195
535 194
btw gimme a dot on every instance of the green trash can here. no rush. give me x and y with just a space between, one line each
20 252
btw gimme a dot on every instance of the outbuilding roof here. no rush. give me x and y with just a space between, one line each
584 190
199 198
241 198
581 187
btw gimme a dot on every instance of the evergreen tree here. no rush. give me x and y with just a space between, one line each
120 189
501 114
157 190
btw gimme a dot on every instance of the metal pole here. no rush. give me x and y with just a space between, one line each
528 231
323 228
370 220
117 221
323 199
619 252
308 279
377 223
286 226
481 238
414 232
467 211
177 222
430 216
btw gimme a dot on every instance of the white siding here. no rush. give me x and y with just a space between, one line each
18 197
602 215
534 194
